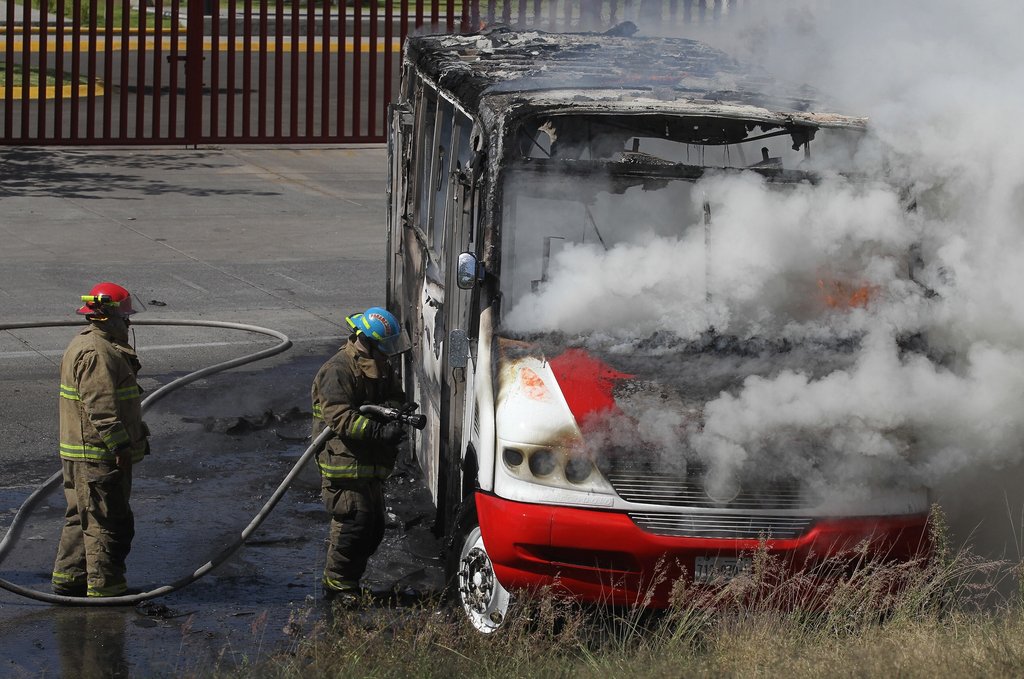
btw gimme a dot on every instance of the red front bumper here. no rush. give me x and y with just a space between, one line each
604 557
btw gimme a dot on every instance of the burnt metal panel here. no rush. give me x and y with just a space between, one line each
573 68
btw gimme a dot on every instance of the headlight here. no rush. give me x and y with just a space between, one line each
553 466
577 469
542 462
513 457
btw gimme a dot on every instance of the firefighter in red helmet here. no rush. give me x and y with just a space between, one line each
101 436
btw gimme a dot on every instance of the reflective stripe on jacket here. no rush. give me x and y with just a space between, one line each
346 381
100 399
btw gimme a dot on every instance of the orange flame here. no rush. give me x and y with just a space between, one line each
843 295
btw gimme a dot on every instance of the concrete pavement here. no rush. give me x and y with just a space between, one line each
287 238
208 231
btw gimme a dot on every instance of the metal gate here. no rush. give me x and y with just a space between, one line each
246 71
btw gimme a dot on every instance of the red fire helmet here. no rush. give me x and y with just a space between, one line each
107 299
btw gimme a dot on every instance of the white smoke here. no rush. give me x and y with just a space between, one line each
936 80
665 293
766 258
940 82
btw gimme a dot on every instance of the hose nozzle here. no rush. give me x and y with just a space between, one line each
415 420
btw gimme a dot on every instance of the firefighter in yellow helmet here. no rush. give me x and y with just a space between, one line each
101 436
354 463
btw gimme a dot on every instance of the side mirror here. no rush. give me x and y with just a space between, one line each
469 271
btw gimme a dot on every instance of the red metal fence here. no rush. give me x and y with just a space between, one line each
247 71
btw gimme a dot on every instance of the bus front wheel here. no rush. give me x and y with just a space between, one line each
482 597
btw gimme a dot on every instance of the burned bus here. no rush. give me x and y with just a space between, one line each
558 248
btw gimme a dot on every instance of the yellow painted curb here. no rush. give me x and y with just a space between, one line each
49 92
69 26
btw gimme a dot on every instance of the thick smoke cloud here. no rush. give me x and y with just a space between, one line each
936 81
940 84
769 258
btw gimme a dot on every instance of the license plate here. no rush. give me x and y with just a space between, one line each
710 569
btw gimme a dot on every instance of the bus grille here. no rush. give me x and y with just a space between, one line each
729 526
652 487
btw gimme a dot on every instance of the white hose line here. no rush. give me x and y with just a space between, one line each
50 483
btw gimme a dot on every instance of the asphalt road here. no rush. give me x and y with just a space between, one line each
291 239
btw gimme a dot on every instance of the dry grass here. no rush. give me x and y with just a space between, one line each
934 618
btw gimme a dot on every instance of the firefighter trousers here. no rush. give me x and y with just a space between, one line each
357 528
98 530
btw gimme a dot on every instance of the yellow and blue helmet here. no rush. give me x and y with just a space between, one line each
378 324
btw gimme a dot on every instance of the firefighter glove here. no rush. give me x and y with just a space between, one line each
389 432
123 457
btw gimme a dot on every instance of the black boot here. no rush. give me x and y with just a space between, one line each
343 598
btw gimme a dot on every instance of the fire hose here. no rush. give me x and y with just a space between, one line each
48 485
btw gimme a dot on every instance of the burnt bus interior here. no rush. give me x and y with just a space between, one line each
697 140
601 170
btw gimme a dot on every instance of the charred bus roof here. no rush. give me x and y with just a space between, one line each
515 73
618 112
